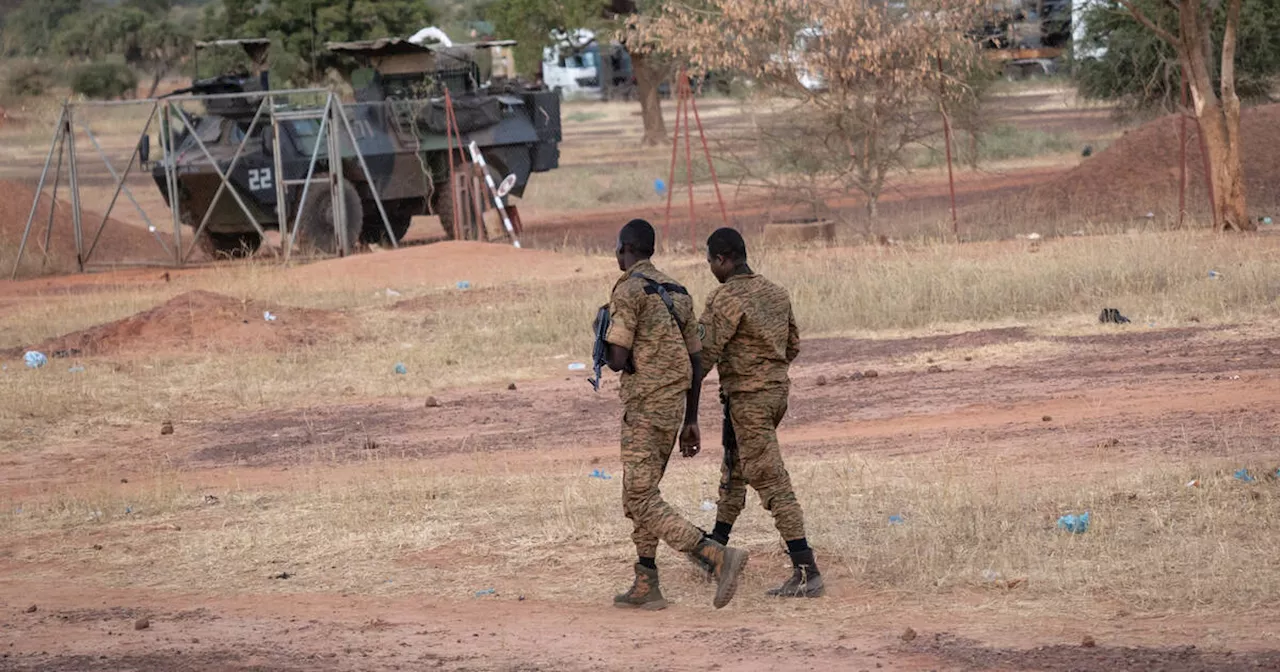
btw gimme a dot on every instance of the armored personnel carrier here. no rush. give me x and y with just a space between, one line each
398 120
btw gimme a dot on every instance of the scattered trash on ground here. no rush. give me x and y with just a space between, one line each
35 359
1244 476
596 473
464 284
76 369
660 186
1074 524
1112 316
708 505
268 316
896 519
486 591
1214 275
392 293
401 368
577 366
1193 483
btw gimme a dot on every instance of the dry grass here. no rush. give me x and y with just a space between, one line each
527 330
1155 545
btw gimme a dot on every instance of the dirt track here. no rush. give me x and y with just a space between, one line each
1113 399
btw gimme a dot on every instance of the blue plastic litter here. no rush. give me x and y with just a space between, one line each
1074 524
659 186
76 369
895 519
486 591
35 359
464 284
1215 275
401 368
1243 475
600 475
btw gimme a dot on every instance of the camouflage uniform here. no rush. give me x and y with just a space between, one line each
653 399
750 333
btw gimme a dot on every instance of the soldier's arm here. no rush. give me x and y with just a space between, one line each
694 345
718 326
623 317
793 337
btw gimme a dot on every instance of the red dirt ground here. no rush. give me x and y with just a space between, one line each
198 321
119 241
1122 391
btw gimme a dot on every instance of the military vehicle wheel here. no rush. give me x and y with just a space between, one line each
315 228
230 245
400 214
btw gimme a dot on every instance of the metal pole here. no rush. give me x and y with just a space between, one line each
306 184
75 187
337 183
53 201
671 176
715 179
235 160
282 207
493 191
209 157
946 129
687 93
120 184
368 175
35 205
451 134
171 179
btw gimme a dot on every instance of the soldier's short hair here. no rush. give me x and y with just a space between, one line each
639 235
728 243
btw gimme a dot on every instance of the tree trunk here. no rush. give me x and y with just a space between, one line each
1219 119
648 79
155 84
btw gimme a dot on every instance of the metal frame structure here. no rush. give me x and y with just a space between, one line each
334 127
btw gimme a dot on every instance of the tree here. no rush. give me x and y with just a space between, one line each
851 85
1189 30
30 29
300 28
532 23
140 32
1140 71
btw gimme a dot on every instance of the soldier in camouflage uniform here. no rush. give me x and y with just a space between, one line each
656 346
749 332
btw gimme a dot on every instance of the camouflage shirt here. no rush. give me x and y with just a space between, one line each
640 322
750 332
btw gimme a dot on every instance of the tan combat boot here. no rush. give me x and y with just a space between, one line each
726 564
644 593
805 581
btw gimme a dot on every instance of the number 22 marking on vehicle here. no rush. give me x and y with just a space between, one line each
259 179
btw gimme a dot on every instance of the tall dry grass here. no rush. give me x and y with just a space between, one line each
531 329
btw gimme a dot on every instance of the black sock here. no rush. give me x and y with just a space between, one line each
650 563
721 532
797 545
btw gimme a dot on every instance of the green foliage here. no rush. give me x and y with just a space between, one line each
532 21
30 29
299 29
29 78
1140 71
104 81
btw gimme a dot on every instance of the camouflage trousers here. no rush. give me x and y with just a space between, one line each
649 433
752 424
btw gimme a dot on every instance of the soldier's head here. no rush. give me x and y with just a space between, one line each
726 253
635 243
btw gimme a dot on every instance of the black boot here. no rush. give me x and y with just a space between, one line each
805 581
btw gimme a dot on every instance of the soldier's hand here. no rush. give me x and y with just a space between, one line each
690 440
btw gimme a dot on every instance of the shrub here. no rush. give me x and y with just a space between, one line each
104 81
29 78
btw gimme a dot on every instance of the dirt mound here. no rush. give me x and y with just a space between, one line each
120 242
446 265
1140 173
199 321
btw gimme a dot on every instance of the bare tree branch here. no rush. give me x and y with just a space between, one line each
1229 50
1142 18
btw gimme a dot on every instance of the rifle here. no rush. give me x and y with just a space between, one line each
600 353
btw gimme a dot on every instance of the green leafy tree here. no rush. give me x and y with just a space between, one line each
31 29
1140 71
140 32
299 29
